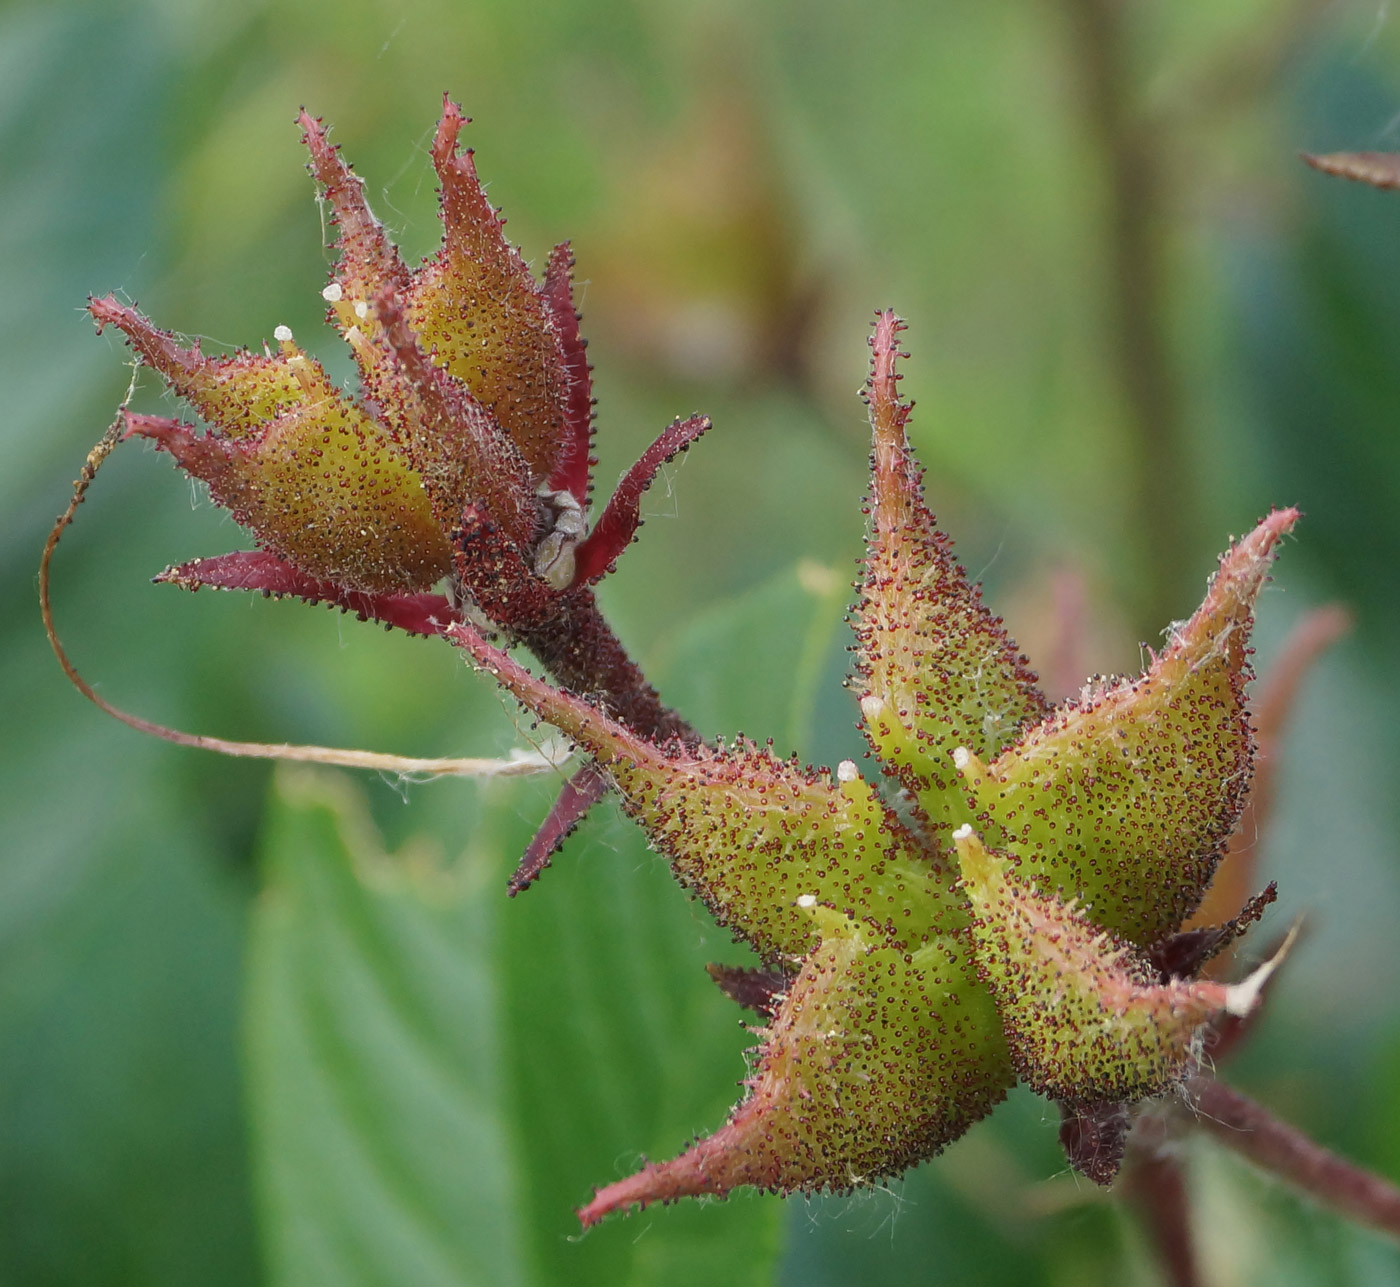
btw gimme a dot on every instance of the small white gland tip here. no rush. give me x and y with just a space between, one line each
805 901
964 832
332 293
871 706
361 309
961 758
283 335
846 771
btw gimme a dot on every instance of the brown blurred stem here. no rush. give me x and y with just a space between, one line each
1133 139
1156 1185
1284 1151
1240 74
1102 62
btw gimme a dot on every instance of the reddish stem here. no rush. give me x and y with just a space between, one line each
1283 1150
1157 1188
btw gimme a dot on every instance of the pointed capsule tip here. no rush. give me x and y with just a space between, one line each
1279 522
1242 997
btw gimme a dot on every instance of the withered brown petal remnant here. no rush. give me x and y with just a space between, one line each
1379 169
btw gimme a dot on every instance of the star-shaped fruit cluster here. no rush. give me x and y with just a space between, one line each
1008 905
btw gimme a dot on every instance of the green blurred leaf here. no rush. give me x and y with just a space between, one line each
756 663
437 1075
380 1136
121 1139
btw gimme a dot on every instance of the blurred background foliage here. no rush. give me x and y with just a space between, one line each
286 1027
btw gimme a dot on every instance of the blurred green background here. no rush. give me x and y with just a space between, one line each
260 1027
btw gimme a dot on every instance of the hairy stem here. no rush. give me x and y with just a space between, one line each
1284 1151
1156 1185
579 649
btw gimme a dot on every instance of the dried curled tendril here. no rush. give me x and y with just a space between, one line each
520 763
